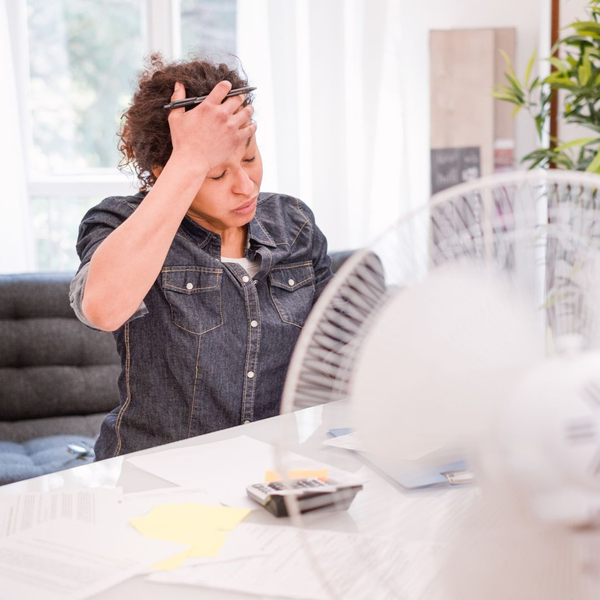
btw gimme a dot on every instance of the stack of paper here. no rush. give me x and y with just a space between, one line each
69 560
319 565
223 469
74 544
19 512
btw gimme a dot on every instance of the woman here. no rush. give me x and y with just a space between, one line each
205 282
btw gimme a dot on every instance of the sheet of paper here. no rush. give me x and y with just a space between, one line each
140 503
233 549
224 469
70 560
350 441
297 474
19 512
202 528
317 565
353 441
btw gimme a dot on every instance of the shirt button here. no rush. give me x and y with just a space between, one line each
253 323
190 286
250 374
245 279
291 282
255 282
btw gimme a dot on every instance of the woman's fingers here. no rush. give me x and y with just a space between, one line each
243 115
218 93
236 103
178 94
251 128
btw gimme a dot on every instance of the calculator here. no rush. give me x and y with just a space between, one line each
311 493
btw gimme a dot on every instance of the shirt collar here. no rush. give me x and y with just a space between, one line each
258 233
201 236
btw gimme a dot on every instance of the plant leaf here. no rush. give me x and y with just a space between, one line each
507 98
534 84
508 63
529 67
514 82
586 25
590 33
578 142
583 75
558 64
594 166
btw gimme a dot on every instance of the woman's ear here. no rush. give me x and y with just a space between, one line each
156 171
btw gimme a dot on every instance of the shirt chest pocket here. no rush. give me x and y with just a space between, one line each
194 295
293 291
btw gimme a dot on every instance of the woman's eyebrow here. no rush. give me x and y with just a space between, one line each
249 140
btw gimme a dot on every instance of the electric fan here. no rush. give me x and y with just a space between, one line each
470 329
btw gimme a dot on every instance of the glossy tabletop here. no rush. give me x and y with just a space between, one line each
380 509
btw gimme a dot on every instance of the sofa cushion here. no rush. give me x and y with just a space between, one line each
28 429
53 391
51 365
40 456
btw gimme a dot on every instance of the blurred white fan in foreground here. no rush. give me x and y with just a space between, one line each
472 326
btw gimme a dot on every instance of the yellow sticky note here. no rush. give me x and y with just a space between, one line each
297 474
204 528
170 564
210 545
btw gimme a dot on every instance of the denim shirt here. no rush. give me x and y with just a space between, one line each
209 347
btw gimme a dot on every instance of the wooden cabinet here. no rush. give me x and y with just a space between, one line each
472 134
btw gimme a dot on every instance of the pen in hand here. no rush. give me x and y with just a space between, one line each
199 99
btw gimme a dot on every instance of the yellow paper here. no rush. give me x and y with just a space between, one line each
297 474
210 546
203 527
170 564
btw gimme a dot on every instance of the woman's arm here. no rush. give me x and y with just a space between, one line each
126 264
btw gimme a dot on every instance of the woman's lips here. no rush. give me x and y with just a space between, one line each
246 208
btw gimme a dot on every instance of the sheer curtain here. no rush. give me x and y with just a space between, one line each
329 106
16 230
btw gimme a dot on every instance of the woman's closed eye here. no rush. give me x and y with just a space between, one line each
246 160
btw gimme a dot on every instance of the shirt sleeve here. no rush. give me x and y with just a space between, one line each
98 223
321 261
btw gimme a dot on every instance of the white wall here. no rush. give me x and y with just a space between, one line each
346 128
571 10
414 20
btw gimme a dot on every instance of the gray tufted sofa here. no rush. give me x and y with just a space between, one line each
58 378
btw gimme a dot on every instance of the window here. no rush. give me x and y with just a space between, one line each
81 59
208 26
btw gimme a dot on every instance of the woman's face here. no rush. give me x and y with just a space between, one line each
227 198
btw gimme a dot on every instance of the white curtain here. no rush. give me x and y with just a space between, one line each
16 228
329 107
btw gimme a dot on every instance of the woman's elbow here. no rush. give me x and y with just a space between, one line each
100 316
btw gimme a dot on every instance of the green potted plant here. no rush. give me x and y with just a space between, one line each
576 70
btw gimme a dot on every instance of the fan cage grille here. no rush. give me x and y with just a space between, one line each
541 230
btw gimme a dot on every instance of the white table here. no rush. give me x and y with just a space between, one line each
380 509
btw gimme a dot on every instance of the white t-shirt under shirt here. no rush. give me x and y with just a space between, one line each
252 267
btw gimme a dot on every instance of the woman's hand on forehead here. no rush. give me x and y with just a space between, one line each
209 133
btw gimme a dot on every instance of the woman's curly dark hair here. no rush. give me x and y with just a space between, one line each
144 136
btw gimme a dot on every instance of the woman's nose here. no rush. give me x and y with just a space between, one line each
243 184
